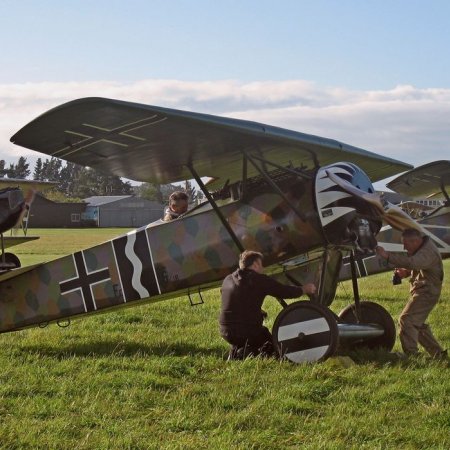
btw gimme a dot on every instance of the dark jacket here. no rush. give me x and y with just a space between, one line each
243 293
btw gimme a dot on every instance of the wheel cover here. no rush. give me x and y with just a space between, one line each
305 332
371 313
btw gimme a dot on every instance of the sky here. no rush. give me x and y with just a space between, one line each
374 74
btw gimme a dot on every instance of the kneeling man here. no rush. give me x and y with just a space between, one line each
241 317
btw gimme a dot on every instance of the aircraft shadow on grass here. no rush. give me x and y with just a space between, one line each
123 349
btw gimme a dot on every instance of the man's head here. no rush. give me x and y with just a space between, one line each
250 259
412 240
178 202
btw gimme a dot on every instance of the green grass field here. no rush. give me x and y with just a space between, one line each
155 377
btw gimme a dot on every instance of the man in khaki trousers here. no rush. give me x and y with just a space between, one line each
423 264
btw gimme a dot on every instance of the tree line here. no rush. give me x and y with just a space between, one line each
75 182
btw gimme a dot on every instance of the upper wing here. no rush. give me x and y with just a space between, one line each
27 184
428 180
148 143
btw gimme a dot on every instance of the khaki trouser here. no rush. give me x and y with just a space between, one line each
413 328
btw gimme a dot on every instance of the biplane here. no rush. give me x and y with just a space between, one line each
431 181
301 200
14 214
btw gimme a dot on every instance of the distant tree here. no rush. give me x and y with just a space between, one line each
190 191
195 195
149 191
19 170
51 169
86 184
45 170
75 181
156 192
3 170
37 173
113 185
200 196
68 176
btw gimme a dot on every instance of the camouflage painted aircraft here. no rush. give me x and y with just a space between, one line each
286 194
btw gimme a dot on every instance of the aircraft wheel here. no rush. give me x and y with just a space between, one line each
371 313
11 258
305 332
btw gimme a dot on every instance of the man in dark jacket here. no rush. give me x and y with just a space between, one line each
241 317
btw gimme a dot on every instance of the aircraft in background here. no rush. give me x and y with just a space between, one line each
301 200
14 213
415 209
430 181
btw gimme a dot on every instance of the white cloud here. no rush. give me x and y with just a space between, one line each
405 122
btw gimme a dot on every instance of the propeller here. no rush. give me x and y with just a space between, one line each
28 200
390 213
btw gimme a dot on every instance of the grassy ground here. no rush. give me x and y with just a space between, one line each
154 377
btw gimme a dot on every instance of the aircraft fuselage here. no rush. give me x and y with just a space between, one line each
166 260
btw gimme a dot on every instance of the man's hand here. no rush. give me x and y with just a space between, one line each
309 288
382 252
403 273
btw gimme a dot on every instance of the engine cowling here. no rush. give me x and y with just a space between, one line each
346 218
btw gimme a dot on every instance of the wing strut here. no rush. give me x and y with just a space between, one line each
444 191
286 169
216 208
274 185
244 176
355 286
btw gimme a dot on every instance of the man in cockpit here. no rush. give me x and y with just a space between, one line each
178 205
241 316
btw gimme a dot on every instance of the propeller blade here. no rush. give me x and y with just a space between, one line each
399 219
372 198
391 214
28 200
29 197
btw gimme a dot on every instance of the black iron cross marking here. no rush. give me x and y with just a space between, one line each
84 281
359 261
361 267
90 134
